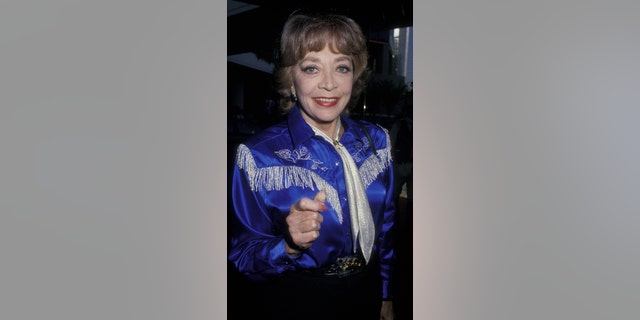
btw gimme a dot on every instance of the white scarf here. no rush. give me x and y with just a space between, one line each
360 212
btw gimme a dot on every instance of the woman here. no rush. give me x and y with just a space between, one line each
313 195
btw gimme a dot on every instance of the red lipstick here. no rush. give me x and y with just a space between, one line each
326 102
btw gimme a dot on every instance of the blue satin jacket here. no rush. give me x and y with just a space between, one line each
277 167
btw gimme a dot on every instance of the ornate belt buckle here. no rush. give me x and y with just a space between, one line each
348 266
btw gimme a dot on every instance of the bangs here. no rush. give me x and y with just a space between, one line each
338 40
308 34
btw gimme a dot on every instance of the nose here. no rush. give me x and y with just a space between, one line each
328 82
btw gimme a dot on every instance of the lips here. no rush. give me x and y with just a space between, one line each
326 102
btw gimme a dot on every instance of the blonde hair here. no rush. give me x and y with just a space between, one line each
304 33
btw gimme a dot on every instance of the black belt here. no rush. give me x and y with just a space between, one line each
343 267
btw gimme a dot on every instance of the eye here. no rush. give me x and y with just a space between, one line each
344 69
309 69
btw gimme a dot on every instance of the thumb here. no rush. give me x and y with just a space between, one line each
321 196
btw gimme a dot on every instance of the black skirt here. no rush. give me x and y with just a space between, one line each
314 295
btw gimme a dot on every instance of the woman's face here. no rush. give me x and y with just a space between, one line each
323 81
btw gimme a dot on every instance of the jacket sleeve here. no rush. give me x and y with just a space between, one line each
385 240
255 248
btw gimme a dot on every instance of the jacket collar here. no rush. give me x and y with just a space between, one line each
299 130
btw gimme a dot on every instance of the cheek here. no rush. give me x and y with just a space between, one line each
346 83
302 85
305 86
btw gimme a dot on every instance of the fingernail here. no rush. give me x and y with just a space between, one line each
324 207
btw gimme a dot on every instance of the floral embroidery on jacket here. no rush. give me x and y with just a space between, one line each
300 154
360 146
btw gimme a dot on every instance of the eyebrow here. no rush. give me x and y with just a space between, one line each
338 59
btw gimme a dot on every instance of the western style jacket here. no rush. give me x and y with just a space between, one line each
278 166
